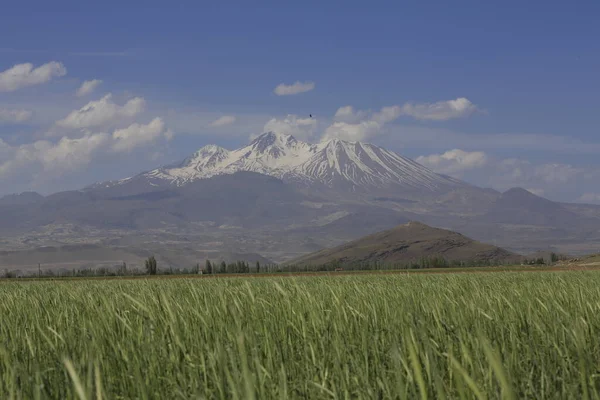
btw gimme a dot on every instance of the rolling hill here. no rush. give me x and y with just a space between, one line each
410 242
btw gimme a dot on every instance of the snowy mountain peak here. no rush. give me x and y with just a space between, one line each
335 163
207 156
210 149
269 139
275 146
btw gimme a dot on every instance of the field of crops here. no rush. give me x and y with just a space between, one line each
481 335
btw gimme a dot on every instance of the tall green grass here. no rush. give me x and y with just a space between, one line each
502 335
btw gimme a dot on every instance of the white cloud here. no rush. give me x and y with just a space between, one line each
102 112
88 87
42 160
295 88
300 128
349 115
357 125
352 132
222 121
440 111
454 162
23 75
553 180
351 124
14 116
387 114
548 179
53 159
137 135
503 173
69 154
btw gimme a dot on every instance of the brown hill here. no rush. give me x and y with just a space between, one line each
410 242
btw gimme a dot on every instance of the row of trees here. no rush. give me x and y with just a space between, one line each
534 261
237 267
242 267
421 263
151 267
554 258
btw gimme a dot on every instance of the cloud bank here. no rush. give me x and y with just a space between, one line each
453 162
549 178
300 128
135 135
23 75
357 125
44 159
440 111
102 112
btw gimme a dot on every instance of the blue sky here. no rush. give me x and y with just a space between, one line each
529 74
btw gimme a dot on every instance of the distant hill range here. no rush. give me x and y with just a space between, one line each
411 242
281 198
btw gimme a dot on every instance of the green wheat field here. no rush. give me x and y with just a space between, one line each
405 336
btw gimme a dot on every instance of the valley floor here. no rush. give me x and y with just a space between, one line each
362 335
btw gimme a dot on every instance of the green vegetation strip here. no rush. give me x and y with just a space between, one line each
502 335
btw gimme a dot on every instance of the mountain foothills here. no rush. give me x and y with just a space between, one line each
276 199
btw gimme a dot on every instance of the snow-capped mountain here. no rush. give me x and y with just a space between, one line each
334 163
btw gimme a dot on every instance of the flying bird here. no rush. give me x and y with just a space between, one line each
310 115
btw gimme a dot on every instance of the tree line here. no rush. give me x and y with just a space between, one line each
151 267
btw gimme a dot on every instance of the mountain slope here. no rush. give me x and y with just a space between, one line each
25 198
333 164
409 242
521 207
281 198
243 199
